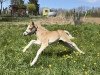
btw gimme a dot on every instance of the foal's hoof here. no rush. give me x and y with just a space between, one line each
24 51
31 64
82 53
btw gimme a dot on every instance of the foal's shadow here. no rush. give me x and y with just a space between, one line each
62 53
59 54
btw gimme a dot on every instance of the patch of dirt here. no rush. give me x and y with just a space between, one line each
54 20
62 20
92 20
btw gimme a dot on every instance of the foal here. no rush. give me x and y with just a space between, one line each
46 37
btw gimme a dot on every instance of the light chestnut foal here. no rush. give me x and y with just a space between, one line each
46 37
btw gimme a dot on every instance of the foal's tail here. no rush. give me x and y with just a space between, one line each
70 36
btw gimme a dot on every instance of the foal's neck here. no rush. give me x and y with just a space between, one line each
41 28
41 31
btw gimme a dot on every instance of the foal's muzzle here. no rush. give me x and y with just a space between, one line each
25 33
28 33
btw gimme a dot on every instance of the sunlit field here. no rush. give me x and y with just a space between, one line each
57 59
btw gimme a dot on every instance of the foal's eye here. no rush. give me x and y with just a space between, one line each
30 28
68 34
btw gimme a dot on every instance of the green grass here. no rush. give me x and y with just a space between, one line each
56 59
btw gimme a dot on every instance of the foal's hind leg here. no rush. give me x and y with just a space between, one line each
72 44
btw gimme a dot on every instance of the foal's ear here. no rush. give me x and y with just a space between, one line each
32 23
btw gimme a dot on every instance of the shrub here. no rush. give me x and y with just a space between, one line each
31 8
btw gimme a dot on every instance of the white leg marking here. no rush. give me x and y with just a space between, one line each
30 43
72 44
38 53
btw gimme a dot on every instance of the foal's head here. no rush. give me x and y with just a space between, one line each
31 29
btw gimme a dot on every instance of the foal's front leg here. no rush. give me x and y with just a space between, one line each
43 46
31 43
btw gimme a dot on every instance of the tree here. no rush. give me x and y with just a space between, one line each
31 8
17 2
1 2
35 2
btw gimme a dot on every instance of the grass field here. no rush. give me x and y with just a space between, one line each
57 59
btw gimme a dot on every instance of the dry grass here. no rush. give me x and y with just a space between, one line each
61 20
93 20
